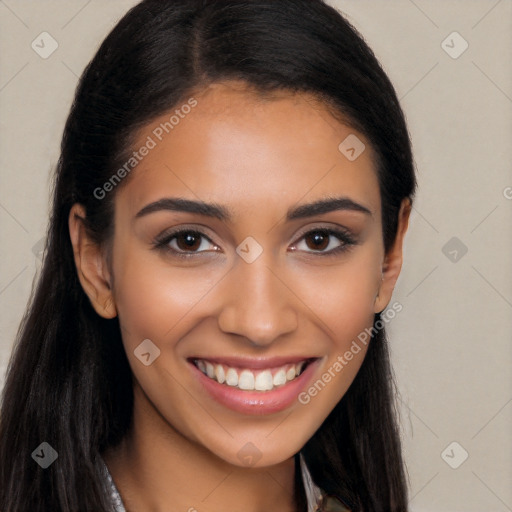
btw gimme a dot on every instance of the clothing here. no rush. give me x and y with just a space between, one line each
316 498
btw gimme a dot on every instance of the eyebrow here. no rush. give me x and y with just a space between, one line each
222 213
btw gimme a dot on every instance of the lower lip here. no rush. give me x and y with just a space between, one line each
257 402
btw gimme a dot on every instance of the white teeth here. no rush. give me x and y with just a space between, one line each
279 378
219 374
232 377
264 381
290 374
246 380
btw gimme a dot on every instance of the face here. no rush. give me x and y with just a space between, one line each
248 255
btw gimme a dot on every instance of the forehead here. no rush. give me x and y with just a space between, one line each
238 148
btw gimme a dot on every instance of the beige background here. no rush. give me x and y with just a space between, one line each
451 344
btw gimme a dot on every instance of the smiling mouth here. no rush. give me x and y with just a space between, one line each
245 379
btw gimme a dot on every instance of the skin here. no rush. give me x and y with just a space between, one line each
258 157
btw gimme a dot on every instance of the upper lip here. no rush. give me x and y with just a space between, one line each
254 363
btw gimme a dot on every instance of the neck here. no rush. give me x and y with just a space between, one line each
155 465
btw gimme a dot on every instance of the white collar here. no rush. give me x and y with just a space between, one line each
313 493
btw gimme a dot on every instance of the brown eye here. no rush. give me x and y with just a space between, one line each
324 242
188 241
317 240
185 242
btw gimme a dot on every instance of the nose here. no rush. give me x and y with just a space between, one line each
257 304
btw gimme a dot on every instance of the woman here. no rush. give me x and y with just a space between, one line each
228 219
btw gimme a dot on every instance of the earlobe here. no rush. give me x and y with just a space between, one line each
392 263
91 265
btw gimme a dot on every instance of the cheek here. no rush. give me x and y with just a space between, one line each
154 296
158 301
343 295
344 300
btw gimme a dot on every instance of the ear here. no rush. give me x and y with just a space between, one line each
393 259
91 265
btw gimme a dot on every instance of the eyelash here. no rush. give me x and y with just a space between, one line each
162 241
